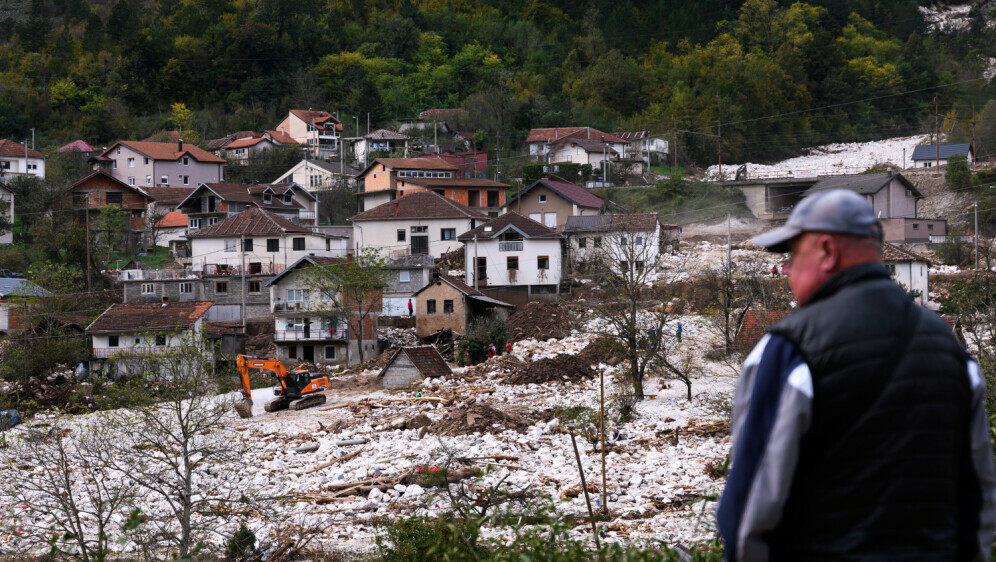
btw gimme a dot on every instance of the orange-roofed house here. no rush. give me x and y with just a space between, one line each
320 130
239 150
386 179
18 159
171 230
160 164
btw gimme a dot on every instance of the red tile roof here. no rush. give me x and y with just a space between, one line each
321 119
426 359
168 151
150 317
893 253
528 227
419 205
281 138
110 178
13 149
253 221
77 146
174 219
168 195
242 143
557 133
755 325
573 193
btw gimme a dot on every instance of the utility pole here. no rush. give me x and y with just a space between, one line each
605 175
86 209
674 172
976 205
33 131
729 246
435 136
368 122
476 265
242 250
719 146
973 127
357 119
937 136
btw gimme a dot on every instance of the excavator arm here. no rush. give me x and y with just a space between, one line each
243 363
290 394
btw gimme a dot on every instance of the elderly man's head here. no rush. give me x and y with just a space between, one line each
826 233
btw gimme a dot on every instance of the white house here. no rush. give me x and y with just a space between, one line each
380 140
125 330
616 239
642 144
513 252
927 155
16 158
583 151
319 174
422 222
909 270
241 149
541 141
259 241
308 326
8 197
320 130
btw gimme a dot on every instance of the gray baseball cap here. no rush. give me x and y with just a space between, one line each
838 211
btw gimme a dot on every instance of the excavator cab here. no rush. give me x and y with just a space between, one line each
298 390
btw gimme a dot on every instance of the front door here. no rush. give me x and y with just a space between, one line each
420 245
309 353
482 271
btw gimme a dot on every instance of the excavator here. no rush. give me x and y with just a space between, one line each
298 390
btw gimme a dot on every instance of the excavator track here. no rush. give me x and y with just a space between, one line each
277 404
308 402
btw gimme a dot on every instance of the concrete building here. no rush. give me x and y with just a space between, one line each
549 201
15 293
211 203
408 275
447 303
319 174
613 241
185 285
160 164
378 182
7 196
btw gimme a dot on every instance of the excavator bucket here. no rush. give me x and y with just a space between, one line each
244 408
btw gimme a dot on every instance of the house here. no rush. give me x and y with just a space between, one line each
753 327
929 155
378 182
258 241
240 150
166 199
614 239
551 200
582 151
644 145
80 147
479 194
171 231
14 294
894 200
469 163
211 203
909 270
279 138
423 222
7 196
124 330
540 141
379 141
215 145
319 130
17 159
408 274
160 164
99 189
311 326
514 257
319 174
447 303
412 365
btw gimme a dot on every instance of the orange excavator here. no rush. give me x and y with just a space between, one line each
298 390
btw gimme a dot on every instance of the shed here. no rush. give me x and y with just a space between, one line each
755 324
410 365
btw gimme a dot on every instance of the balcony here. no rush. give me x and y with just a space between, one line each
515 246
155 274
310 335
327 135
306 215
293 306
104 352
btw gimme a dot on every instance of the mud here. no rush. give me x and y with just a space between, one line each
559 368
539 320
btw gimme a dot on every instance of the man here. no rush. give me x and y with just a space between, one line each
859 424
411 309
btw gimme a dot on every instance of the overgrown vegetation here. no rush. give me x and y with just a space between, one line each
481 332
677 200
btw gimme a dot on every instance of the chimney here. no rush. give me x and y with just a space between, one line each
179 145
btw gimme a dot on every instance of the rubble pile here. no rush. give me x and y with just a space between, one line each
400 337
539 320
478 418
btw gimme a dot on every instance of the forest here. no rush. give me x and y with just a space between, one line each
774 76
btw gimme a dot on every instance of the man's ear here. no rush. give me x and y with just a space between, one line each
830 249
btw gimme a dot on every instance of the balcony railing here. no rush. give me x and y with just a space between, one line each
510 246
310 335
156 274
293 306
306 215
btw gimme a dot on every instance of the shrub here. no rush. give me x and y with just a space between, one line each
956 173
481 332
241 544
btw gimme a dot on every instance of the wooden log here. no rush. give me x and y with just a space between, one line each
343 458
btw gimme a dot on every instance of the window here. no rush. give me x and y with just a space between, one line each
598 242
254 286
401 235
131 180
186 288
930 227
115 166
221 287
298 244
146 160
542 198
272 244
164 180
404 276
330 352
892 268
916 226
430 306
148 288
186 180
194 223
186 161
582 242
148 180
639 266
112 341
297 295
230 245
538 217
543 262
160 339
419 229
328 295
448 234
267 199
513 262
247 245
292 352
114 198
550 220
131 162
623 241
448 306
639 240
213 220
288 199
624 266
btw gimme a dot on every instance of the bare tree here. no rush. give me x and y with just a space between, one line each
153 215
73 497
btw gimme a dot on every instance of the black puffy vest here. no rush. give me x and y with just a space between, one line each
880 473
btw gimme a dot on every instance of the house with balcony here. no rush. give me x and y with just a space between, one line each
644 145
541 141
616 242
482 195
239 150
16 158
258 242
211 203
379 141
312 324
378 182
319 130
125 332
514 259
550 201
317 175
160 164
99 189
418 223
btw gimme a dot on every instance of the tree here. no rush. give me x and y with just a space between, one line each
154 214
350 289
956 173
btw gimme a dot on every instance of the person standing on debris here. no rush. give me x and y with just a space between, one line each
491 351
678 331
774 270
411 309
859 423
508 347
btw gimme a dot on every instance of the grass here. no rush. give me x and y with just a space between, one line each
156 260
679 202
668 170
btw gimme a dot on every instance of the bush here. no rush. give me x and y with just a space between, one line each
956 173
241 544
472 348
